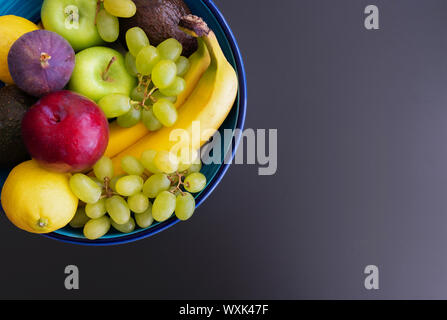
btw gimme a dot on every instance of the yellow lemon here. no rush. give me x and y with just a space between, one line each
37 200
11 28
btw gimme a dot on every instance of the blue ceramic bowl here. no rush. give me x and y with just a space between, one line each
206 9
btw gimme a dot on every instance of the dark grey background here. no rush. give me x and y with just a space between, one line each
362 179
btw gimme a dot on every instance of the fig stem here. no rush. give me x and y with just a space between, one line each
105 75
44 58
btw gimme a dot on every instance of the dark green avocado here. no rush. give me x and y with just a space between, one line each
160 19
13 105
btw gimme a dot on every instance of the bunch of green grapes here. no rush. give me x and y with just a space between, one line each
153 188
160 72
107 14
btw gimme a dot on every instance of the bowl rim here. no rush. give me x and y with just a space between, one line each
220 173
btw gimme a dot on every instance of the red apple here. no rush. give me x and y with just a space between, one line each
65 132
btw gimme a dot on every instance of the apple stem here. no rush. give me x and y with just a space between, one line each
105 76
44 58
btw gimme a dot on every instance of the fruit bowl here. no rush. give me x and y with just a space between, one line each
214 173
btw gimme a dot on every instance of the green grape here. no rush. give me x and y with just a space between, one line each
120 8
147 58
138 203
183 65
96 228
157 95
80 218
129 185
156 184
115 180
164 206
166 162
150 121
165 112
132 166
195 182
85 188
108 26
144 220
187 158
177 87
115 105
125 228
147 159
136 39
137 94
195 167
96 210
103 168
185 206
98 182
131 64
164 73
130 118
118 209
170 49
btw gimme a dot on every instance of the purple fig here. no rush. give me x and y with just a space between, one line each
41 62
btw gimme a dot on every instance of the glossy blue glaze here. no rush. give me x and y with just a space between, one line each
30 9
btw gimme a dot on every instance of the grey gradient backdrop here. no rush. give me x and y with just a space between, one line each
362 119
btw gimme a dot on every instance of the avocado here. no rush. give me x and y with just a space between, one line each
13 105
160 19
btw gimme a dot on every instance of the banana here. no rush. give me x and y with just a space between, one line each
208 105
122 138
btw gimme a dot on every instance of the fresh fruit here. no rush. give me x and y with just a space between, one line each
183 66
166 162
147 159
122 138
170 49
120 8
177 87
100 71
37 200
11 28
195 182
136 39
159 19
103 169
185 206
131 64
156 184
118 209
164 73
115 105
138 203
129 119
150 120
146 60
85 188
96 210
129 185
65 132
164 206
132 166
96 228
144 220
165 112
208 105
108 26
125 228
74 20
41 62
80 219
13 105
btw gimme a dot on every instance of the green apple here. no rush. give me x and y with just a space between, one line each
74 20
100 71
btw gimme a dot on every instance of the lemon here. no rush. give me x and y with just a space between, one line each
37 200
11 28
